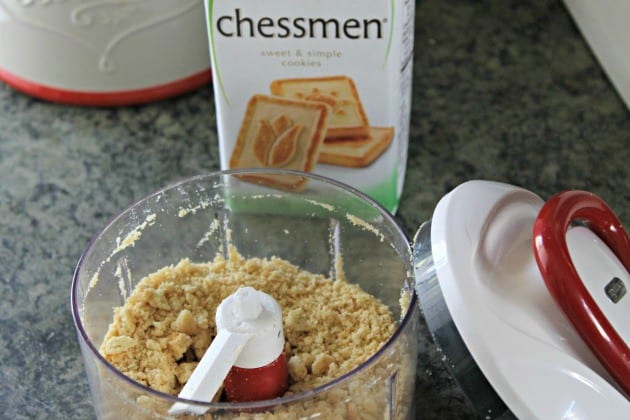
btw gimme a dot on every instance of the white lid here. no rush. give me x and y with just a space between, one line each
481 240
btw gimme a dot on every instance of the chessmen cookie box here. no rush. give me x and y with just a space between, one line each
322 87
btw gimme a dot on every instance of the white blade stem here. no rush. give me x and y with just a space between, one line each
209 374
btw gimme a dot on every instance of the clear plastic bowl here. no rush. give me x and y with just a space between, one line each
311 228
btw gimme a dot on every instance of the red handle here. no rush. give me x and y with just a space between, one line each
563 281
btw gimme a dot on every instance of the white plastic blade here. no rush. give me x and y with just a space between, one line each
209 374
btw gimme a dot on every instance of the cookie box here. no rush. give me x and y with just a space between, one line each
317 87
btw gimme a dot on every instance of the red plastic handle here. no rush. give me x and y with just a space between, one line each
563 281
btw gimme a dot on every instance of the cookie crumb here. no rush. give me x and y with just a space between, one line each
297 368
167 323
321 364
185 323
117 345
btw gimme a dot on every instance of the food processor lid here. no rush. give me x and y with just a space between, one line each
504 338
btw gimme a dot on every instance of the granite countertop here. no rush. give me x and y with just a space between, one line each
503 90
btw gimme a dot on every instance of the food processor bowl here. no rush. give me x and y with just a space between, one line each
326 228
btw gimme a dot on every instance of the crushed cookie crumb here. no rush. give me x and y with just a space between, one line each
167 323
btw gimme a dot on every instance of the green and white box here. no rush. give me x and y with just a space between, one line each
319 86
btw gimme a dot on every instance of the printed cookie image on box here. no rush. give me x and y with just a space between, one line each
281 133
357 152
348 118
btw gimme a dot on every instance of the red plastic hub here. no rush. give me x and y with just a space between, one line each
263 383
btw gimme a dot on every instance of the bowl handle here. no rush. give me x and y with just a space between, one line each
563 282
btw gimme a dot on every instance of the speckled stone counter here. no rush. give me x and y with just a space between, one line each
504 90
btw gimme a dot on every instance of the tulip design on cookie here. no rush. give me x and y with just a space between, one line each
275 143
280 133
